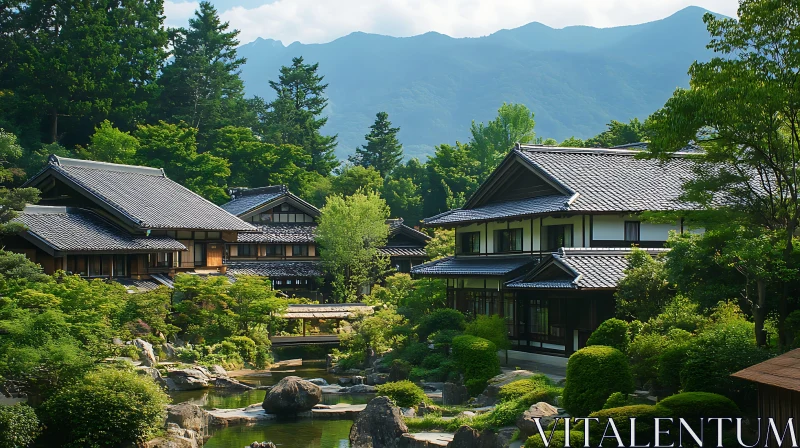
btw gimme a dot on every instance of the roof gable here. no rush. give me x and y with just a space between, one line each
246 202
781 371
141 196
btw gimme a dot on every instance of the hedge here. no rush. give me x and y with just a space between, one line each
404 393
645 427
477 359
593 374
696 405
517 389
575 439
613 333
19 426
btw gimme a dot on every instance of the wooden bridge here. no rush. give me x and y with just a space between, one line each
294 341
318 312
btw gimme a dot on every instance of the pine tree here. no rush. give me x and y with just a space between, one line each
295 117
202 86
383 151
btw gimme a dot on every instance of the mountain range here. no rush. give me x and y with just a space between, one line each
575 79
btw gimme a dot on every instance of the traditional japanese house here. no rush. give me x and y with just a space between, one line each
405 246
109 220
543 241
283 249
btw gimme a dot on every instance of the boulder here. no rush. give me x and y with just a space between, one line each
262 445
358 379
187 379
318 381
205 371
146 355
292 395
489 395
231 384
466 437
344 381
169 350
505 436
526 422
379 425
218 370
187 416
408 412
454 394
375 379
360 389
153 373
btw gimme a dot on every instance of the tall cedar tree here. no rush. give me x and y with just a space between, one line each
12 199
743 109
73 63
202 86
383 151
295 116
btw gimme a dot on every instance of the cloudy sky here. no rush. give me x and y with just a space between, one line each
319 21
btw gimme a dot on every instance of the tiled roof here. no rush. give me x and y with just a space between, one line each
475 265
502 210
134 286
592 180
78 230
781 371
397 225
280 233
143 195
591 268
327 311
246 199
397 251
276 268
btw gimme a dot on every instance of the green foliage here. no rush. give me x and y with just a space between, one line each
415 352
109 144
617 400
558 440
375 332
696 405
350 232
493 328
244 346
443 244
442 319
618 133
477 359
19 426
351 179
670 364
491 142
452 177
613 333
105 409
593 374
520 388
645 416
644 290
263 357
383 151
403 393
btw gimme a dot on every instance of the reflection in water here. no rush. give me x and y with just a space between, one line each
305 433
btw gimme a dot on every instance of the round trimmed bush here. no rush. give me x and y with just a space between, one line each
19 426
643 413
477 359
440 320
613 333
403 393
617 400
105 408
558 440
519 388
696 405
593 374
245 346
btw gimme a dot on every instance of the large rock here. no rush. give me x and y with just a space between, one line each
380 425
526 422
292 395
169 350
318 381
375 379
231 384
505 435
466 437
187 416
176 437
187 379
489 395
454 394
218 370
359 389
153 373
146 355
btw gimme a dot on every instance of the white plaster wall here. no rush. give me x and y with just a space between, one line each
657 232
608 227
577 228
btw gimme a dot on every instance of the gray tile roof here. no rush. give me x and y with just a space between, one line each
593 180
397 226
398 251
78 230
592 268
280 233
143 195
475 266
247 199
276 268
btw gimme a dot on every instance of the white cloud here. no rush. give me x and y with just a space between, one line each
317 21
178 13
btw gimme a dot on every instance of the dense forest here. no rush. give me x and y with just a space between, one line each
107 81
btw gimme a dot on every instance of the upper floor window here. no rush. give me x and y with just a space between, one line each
471 243
508 240
632 230
273 249
299 250
555 237
247 250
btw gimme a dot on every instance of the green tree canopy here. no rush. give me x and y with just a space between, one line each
109 144
383 151
351 179
618 133
491 142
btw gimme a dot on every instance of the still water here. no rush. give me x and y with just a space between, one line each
299 433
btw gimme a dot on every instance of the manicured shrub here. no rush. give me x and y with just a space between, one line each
477 359
263 357
399 370
403 393
107 408
439 320
645 426
695 405
433 361
519 388
644 353
245 346
593 374
19 426
617 400
493 328
558 440
415 352
670 364
547 395
613 333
